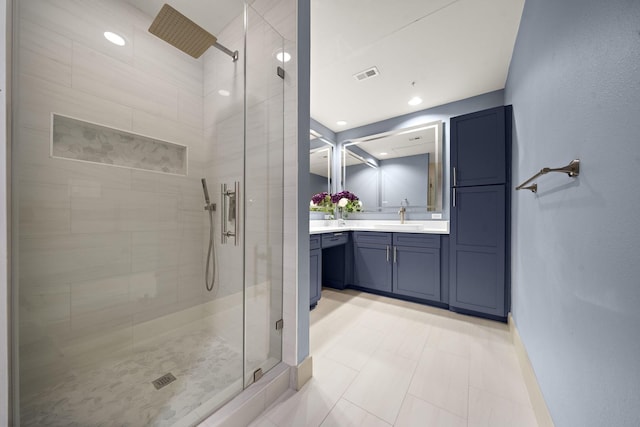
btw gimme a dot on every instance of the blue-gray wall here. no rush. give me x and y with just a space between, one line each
574 83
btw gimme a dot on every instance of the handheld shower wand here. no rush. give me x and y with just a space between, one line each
206 191
211 255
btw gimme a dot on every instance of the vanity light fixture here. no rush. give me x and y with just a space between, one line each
416 100
341 123
224 92
114 38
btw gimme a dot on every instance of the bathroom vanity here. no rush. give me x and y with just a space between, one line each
462 265
407 261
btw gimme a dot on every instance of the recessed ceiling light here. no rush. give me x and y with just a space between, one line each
341 123
283 56
383 154
224 92
114 38
416 100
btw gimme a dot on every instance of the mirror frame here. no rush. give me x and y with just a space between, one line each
435 191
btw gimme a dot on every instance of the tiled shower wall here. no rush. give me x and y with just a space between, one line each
101 248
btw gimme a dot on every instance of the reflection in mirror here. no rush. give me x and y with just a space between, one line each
399 168
319 164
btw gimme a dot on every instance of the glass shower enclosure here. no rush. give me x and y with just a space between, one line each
113 322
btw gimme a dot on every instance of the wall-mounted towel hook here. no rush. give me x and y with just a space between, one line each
572 169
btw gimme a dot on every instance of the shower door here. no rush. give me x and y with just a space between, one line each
264 200
113 323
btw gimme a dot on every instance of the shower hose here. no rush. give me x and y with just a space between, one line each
211 255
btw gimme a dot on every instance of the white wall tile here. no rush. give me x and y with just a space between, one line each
73 258
93 73
45 54
44 209
94 209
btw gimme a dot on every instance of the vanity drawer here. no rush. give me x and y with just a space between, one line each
335 239
314 241
372 237
416 240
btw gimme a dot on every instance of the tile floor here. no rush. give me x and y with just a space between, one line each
384 362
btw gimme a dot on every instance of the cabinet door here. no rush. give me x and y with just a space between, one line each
478 148
373 266
477 263
315 281
416 272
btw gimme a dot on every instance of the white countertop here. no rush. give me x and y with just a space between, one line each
332 226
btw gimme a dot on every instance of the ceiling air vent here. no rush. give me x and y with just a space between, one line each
366 74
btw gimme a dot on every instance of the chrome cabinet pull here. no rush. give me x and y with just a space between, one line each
395 254
387 253
453 196
455 177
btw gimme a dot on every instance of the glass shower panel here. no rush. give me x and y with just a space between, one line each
264 201
110 240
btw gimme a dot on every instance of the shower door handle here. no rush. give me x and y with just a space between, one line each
230 212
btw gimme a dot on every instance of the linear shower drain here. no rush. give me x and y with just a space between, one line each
164 380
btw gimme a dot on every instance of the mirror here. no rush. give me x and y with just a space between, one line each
398 168
320 153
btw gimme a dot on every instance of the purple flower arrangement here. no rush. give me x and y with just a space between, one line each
321 202
335 198
345 201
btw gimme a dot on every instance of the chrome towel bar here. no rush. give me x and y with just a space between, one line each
572 169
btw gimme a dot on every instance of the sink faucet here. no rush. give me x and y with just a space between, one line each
402 211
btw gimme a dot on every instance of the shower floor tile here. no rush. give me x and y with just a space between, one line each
120 392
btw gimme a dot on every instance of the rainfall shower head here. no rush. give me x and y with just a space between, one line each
184 34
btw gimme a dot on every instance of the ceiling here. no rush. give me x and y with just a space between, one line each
451 49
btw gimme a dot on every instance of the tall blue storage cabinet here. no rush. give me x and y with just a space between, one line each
480 212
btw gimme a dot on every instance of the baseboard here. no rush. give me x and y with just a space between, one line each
302 373
535 394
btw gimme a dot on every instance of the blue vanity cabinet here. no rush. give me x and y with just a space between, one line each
372 260
480 209
398 264
315 269
416 265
